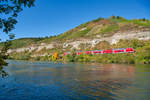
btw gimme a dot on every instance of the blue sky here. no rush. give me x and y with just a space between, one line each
53 17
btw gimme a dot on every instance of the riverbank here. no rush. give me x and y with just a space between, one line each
130 58
100 34
140 56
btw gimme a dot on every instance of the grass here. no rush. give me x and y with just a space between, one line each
141 56
98 19
110 29
112 25
141 22
79 34
19 43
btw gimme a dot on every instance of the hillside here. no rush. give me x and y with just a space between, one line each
114 32
97 29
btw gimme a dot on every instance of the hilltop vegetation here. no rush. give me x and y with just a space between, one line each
99 27
103 27
18 43
114 32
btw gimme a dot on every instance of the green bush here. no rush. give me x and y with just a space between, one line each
2 62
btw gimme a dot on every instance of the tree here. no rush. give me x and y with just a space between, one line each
72 57
9 10
55 56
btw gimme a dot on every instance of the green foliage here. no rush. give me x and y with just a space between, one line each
11 8
115 17
98 19
72 56
2 62
38 58
72 34
24 42
109 29
3 53
4 49
63 36
140 22
79 34
2 71
83 58
42 58
84 25
141 56
26 55
3 56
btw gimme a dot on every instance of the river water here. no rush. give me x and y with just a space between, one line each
48 81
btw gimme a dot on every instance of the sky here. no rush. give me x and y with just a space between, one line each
53 17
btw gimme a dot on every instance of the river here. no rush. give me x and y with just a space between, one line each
49 81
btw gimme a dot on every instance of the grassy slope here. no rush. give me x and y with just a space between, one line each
141 56
100 26
23 42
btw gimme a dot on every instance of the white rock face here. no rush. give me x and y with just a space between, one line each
32 48
130 36
83 29
112 40
75 44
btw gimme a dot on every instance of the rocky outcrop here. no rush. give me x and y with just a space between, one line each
140 35
33 48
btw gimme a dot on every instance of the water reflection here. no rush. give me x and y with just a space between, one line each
76 81
94 81
2 72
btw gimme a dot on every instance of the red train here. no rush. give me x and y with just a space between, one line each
112 51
